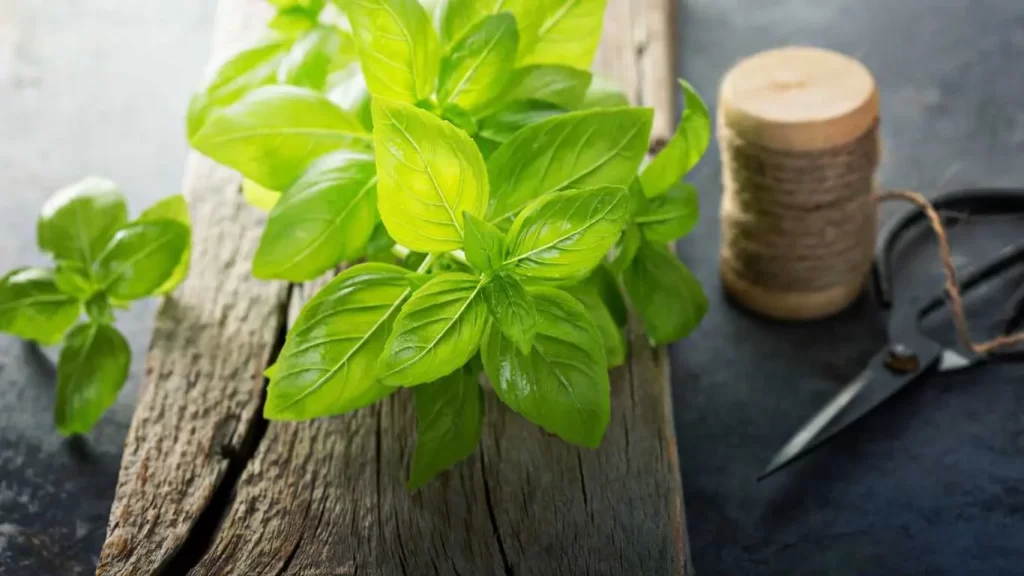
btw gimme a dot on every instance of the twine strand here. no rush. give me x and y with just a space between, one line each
952 285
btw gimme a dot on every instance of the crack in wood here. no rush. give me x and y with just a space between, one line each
209 522
494 520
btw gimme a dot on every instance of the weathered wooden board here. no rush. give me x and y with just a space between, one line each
207 488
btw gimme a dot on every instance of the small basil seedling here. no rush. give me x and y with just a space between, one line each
102 261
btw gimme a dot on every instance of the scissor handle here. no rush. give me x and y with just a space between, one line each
1007 257
973 201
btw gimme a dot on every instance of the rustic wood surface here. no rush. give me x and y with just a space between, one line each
207 488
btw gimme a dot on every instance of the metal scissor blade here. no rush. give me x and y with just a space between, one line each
864 393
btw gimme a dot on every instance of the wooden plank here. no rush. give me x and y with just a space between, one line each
327 496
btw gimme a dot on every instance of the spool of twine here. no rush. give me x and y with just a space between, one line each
798 132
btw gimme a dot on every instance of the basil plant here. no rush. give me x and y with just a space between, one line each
103 261
496 197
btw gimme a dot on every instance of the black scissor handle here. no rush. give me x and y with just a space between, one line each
971 201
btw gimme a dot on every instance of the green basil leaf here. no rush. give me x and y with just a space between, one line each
346 87
99 310
512 309
503 124
78 220
568 34
430 172
253 67
564 235
310 58
398 47
141 258
175 209
437 331
684 149
625 249
603 93
562 384
561 86
612 334
475 70
74 279
32 307
607 285
666 295
326 217
311 7
485 244
91 370
259 197
272 133
463 14
449 421
460 118
292 22
486 145
378 249
671 215
330 354
574 150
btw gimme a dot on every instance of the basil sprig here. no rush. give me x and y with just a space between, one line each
499 197
102 261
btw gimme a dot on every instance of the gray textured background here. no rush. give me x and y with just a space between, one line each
931 485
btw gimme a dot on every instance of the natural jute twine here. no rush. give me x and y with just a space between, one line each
798 221
803 221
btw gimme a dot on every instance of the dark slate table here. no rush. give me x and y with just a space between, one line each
934 482
931 484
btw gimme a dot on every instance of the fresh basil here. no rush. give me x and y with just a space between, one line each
564 235
684 149
475 70
449 421
325 218
575 150
603 93
502 125
463 148
666 295
437 331
259 197
485 244
670 216
568 34
78 220
562 384
398 47
175 209
253 67
512 309
328 360
612 334
429 173
91 370
461 15
561 86
310 57
272 134
34 308
141 258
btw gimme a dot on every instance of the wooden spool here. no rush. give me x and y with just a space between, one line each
800 100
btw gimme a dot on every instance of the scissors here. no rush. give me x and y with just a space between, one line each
910 354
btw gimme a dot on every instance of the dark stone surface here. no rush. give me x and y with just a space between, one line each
932 482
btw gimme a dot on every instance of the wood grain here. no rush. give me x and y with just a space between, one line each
327 497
